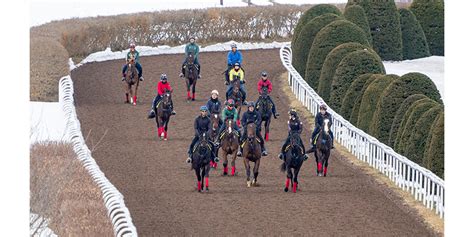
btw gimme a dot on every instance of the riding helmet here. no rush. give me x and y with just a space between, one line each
233 45
163 77
237 64
264 74
132 45
215 92
203 108
230 102
293 112
251 104
323 106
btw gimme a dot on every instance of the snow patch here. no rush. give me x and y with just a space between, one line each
47 122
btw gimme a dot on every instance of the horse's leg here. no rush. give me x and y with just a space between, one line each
295 178
135 93
125 87
247 170
232 163
267 128
326 163
289 177
255 171
320 157
165 128
206 176
157 119
198 175
194 89
224 163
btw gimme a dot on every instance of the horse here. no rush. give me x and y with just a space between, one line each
214 132
201 158
264 107
251 151
131 78
230 145
323 150
293 159
191 75
163 114
236 95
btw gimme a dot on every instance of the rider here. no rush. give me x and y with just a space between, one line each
234 56
133 53
319 123
191 48
231 113
202 124
252 116
162 86
236 73
214 105
294 125
264 82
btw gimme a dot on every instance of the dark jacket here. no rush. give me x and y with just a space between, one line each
251 117
319 120
295 125
202 125
214 106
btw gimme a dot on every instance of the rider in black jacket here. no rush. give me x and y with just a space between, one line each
252 116
319 123
294 125
202 124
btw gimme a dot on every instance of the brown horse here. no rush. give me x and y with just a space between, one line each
323 149
251 152
237 96
264 107
230 145
214 132
131 79
163 114
191 74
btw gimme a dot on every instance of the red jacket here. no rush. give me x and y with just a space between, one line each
162 87
263 83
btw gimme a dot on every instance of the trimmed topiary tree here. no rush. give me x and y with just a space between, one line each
416 145
330 65
308 15
306 37
351 95
408 123
413 37
430 14
356 15
370 99
334 34
397 120
396 93
433 158
358 97
351 66
384 23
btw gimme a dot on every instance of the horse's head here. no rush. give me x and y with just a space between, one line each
166 98
229 125
203 146
326 126
265 92
215 121
190 59
251 130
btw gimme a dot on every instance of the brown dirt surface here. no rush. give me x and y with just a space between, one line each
159 187
63 191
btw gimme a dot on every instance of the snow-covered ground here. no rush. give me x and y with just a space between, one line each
432 66
48 122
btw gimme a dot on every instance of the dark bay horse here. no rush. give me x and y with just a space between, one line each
264 107
230 145
191 75
251 151
214 132
163 114
131 80
323 149
293 160
201 158
237 96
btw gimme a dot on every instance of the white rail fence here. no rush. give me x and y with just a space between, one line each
409 176
113 199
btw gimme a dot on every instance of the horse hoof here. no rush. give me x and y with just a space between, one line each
286 190
254 183
207 190
193 99
166 139
225 173
249 184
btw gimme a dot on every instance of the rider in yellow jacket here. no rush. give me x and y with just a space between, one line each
237 72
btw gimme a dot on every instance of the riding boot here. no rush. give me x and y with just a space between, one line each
172 109
199 71
239 151
264 151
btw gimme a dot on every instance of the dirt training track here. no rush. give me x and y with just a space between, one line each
159 187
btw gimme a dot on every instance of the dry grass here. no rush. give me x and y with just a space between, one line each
428 216
62 191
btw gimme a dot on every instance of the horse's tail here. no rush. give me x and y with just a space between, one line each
283 167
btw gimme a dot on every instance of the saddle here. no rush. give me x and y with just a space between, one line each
209 146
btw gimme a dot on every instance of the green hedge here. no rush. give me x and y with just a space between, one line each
384 22
413 37
430 14
351 66
336 33
368 78
352 93
308 15
416 145
330 65
356 15
397 120
370 99
408 123
408 84
306 37
433 158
